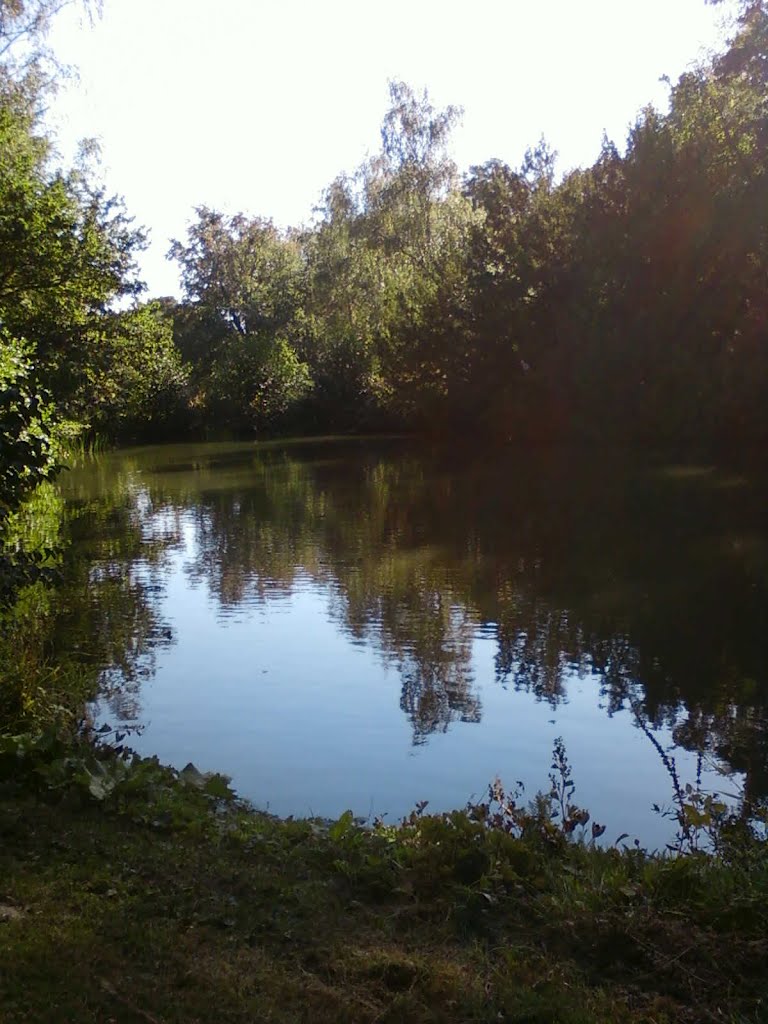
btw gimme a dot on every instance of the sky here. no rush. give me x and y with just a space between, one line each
257 105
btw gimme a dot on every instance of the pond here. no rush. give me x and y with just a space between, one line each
358 624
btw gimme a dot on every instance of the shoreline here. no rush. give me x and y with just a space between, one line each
133 892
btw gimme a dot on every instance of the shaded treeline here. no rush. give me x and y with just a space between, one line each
621 302
649 578
624 301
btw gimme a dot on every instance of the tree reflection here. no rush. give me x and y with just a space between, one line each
111 592
648 577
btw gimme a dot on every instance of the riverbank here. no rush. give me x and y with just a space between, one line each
131 892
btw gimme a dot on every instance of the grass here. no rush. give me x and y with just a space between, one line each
130 892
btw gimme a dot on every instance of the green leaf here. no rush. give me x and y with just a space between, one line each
342 827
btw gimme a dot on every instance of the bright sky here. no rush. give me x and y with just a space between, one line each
256 105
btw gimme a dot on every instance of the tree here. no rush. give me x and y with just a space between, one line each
244 270
255 382
405 183
23 27
67 250
386 259
244 282
135 385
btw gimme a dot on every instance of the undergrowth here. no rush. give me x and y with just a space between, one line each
132 891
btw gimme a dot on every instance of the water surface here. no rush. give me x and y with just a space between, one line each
347 624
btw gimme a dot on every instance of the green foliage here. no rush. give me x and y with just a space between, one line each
243 281
150 793
135 383
26 449
26 460
623 301
66 249
620 302
255 381
385 265
37 693
245 271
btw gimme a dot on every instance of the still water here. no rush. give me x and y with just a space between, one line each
345 624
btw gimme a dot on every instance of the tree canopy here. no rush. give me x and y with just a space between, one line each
622 301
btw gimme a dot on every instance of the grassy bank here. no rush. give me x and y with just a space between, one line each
131 892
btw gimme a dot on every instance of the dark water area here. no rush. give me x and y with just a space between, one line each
355 624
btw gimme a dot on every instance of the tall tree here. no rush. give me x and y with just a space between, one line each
390 244
67 249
